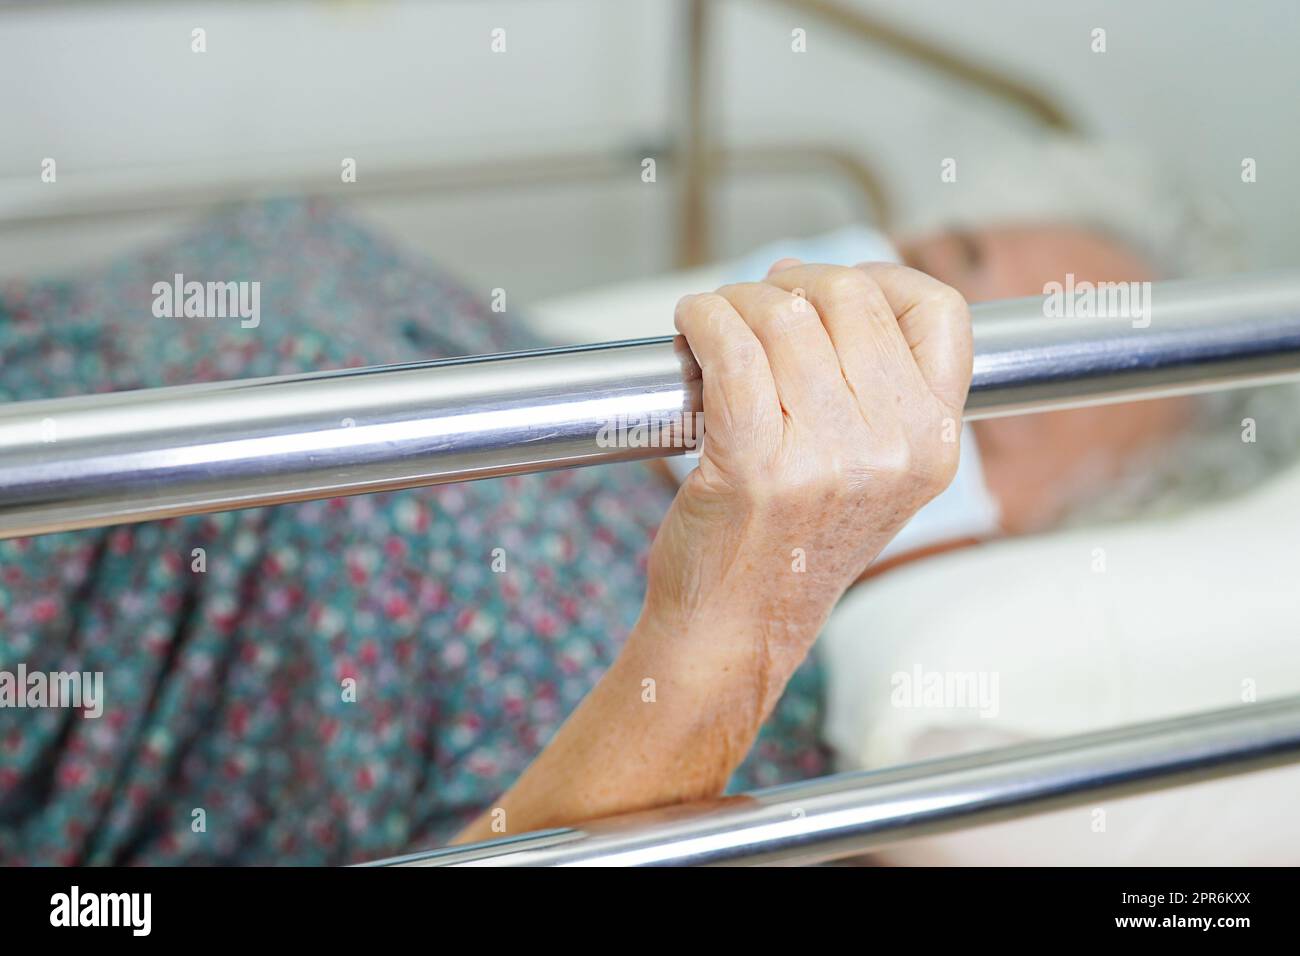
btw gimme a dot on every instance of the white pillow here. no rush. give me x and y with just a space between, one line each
1076 631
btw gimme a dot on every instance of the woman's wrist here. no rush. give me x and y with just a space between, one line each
736 656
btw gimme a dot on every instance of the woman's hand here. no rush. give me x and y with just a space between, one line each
832 402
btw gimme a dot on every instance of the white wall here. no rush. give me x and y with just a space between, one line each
113 92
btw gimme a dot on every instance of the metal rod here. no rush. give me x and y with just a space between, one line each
849 21
179 189
853 813
693 227
107 459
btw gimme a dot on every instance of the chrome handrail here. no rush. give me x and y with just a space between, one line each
98 460
854 813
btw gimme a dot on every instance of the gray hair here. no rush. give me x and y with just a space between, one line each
1106 187
1148 205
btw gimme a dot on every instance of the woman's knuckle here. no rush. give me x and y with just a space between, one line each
740 355
948 303
711 307
779 318
934 461
893 459
846 288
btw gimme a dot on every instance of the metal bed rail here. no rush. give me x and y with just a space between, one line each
105 459
854 813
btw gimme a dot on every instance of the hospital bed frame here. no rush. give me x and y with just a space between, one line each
88 461
689 151
135 456
850 814
96 460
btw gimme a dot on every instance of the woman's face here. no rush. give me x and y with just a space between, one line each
1036 465
1012 261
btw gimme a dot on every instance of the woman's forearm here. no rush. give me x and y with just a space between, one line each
660 727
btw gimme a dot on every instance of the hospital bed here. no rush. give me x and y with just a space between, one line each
135 456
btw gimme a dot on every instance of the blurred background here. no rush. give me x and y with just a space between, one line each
474 156
506 146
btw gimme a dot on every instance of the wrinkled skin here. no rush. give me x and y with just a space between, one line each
1037 466
833 399
826 420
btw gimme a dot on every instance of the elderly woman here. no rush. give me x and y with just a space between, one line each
226 736
337 681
